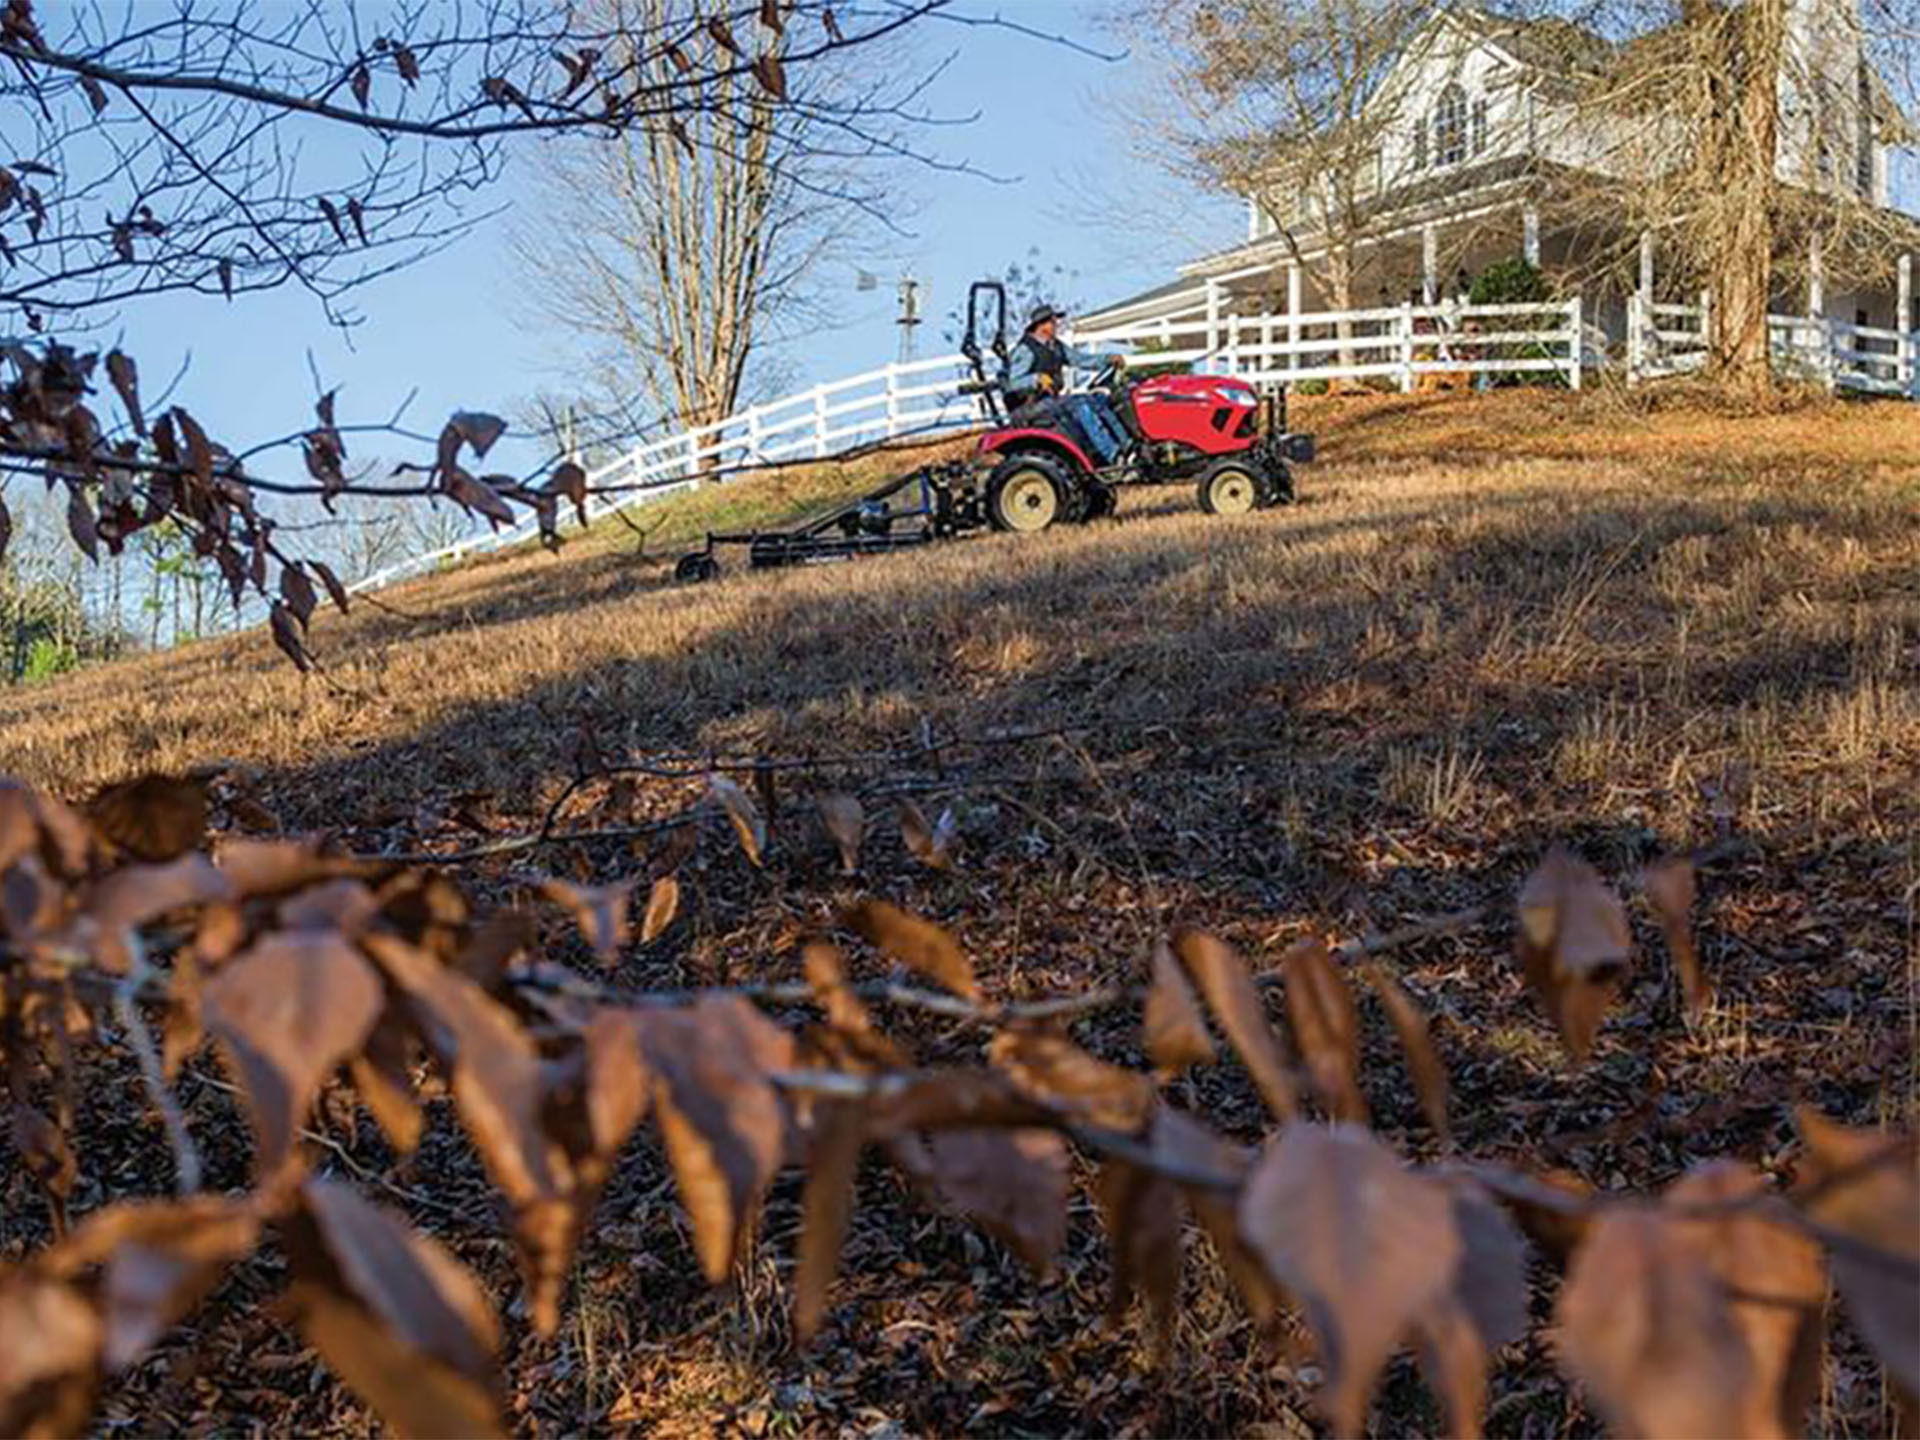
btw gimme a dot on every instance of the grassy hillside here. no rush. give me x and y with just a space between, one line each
1489 624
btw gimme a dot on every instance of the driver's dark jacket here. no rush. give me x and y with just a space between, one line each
1033 358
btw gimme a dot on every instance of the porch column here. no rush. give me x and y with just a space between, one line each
1820 341
1293 314
1909 341
1429 264
1640 313
1530 233
1646 267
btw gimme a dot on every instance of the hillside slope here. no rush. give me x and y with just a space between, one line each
1491 623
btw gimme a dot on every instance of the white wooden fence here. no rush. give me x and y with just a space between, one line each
1397 343
1672 340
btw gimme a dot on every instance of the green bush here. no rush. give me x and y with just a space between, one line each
1509 282
48 657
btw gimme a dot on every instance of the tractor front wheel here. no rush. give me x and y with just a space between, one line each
1027 493
1229 488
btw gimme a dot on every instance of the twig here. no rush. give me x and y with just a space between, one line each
186 1159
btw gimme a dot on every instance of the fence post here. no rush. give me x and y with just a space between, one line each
1577 343
1636 341
1406 348
1293 317
820 422
1908 341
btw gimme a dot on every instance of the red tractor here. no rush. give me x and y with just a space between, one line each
1222 433
1035 468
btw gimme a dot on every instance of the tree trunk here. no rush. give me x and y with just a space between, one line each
1737 160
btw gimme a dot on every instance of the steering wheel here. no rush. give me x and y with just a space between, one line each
1111 375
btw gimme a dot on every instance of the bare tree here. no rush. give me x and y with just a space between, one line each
1293 104
154 150
680 253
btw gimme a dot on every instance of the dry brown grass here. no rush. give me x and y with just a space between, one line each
1490 622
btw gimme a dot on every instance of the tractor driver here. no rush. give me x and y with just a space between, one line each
1037 380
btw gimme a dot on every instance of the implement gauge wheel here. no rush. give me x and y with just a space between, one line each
1229 488
1026 493
695 568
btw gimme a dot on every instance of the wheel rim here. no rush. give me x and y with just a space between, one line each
1028 501
1233 492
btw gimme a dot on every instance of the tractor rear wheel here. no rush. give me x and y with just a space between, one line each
1100 501
1229 488
1027 493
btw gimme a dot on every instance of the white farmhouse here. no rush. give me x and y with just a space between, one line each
1478 145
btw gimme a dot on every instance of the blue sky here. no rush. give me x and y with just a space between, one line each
1050 122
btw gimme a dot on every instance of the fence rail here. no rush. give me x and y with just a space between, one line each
1672 340
1400 343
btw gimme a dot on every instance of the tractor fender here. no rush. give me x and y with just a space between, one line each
1049 442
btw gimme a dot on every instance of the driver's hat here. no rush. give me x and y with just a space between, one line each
1042 313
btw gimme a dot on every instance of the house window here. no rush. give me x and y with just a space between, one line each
1480 127
1450 127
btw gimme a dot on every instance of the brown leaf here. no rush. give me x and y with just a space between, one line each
1416 1040
156 817
1176 1031
80 522
289 1010
1778 1287
723 1122
847 823
50 1339
383 1074
1064 1077
161 1257
125 377
477 428
1483 1308
745 815
43 1150
771 75
1013 1183
918 944
1648 1328
1362 1244
336 592
360 81
96 96
569 480
1181 1140
1235 1002
1327 1027
298 592
135 895
405 62
1671 887
499 1090
832 26
932 845
394 1315
771 17
599 910
1864 1186
1142 1212
1574 945
722 35
328 209
286 634
224 270
826 1206
663 904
